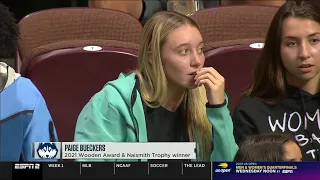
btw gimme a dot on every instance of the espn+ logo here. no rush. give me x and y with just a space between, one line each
27 166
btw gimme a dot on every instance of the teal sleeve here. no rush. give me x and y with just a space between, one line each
100 121
225 146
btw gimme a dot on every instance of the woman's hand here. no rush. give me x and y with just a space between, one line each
213 83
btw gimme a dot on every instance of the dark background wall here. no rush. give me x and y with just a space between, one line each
21 8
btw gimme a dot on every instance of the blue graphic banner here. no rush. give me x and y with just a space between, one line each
265 170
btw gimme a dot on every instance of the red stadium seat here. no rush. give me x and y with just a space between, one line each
59 28
68 78
236 65
50 49
234 25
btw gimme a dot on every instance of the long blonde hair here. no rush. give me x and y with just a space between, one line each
153 82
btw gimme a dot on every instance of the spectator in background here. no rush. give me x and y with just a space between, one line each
144 9
269 147
171 97
140 9
24 117
133 7
185 7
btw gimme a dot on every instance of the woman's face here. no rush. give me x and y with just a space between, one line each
300 50
182 56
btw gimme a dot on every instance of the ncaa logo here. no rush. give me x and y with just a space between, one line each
47 150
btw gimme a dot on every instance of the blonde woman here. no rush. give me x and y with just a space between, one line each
171 97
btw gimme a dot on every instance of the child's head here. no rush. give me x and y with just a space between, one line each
269 147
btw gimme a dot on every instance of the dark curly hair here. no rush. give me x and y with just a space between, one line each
9 33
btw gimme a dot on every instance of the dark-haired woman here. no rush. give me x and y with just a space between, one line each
284 96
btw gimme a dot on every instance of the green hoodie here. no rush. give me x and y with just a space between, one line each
116 114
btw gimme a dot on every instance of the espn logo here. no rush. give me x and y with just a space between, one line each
27 166
287 171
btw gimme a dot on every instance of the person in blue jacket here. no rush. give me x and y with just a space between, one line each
172 97
24 116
